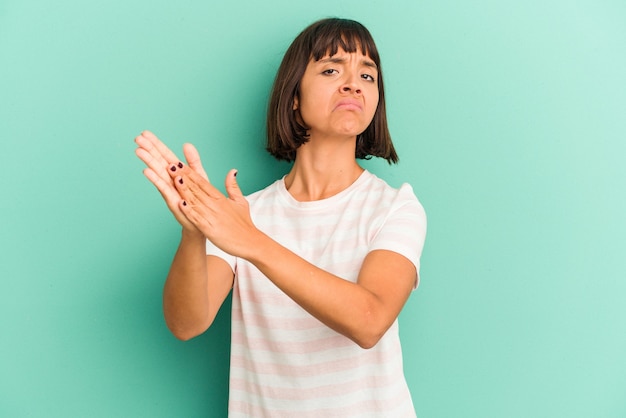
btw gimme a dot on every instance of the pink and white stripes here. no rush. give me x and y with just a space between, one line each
284 362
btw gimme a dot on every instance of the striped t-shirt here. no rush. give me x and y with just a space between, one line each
286 363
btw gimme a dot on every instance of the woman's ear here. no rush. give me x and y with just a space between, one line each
295 103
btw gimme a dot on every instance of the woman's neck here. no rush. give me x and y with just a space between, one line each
322 170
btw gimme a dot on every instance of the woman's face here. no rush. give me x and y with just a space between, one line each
338 95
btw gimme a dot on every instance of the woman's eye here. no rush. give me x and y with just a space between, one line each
368 77
329 71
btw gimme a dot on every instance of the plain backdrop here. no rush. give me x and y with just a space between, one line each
510 121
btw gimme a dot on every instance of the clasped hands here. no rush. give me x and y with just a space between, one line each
195 203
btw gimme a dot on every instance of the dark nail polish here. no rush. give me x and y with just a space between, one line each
180 165
180 180
173 168
184 203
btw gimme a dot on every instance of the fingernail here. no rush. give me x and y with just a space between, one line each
235 173
180 165
173 167
180 180
184 203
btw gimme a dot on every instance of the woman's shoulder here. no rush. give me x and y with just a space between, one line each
388 201
376 185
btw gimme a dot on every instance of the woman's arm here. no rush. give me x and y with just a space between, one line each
197 284
195 288
362 311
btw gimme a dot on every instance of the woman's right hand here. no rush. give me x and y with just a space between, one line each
158 159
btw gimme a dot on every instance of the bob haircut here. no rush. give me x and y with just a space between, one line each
324 37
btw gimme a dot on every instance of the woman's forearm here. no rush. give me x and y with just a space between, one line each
186 294
360 311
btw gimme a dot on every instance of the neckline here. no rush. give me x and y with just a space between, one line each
322 203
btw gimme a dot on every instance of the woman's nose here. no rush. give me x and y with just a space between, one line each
350 84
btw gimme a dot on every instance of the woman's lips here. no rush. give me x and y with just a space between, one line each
349 104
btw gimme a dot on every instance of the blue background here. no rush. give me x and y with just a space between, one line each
509 118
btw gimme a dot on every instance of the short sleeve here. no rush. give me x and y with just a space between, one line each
404 228
211 249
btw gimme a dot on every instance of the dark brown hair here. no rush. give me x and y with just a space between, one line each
324 37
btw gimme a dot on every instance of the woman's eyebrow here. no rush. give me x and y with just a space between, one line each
332 60
340 60
369 63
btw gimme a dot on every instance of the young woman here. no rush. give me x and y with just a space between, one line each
321 262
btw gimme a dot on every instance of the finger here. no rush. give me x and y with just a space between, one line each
152 152
156 165
171 197
194 194
193 159
169 193
196 183
149 159
193 216
144 143
158 147
175 170
232 187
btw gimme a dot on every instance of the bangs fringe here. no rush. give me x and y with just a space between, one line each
344 34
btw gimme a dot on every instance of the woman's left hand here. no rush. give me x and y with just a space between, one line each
224 220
